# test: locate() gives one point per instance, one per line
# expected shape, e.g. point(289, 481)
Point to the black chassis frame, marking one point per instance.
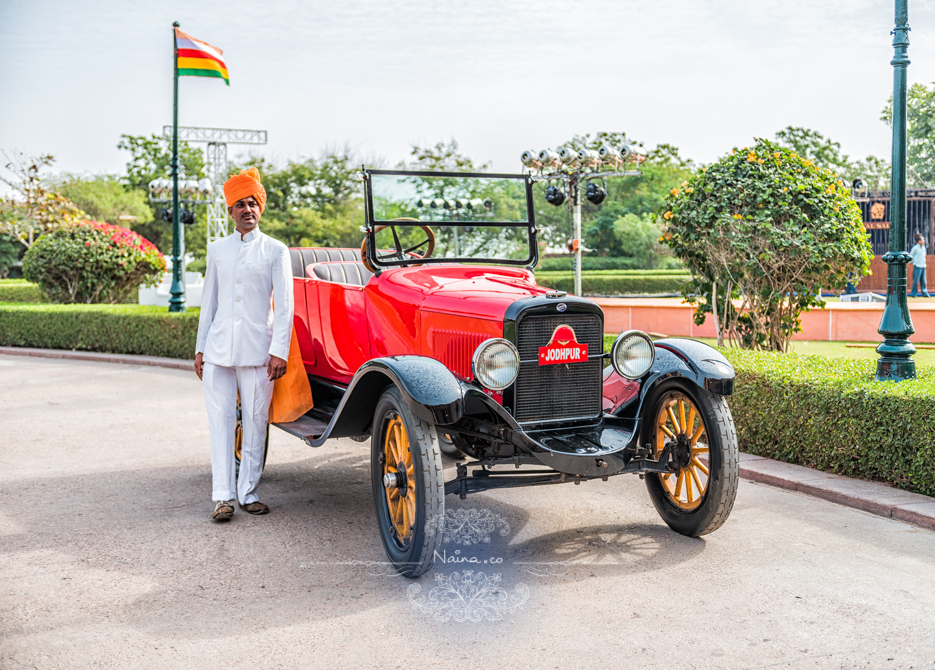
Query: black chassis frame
point(572, 450)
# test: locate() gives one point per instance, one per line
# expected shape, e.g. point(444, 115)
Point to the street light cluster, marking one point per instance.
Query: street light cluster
point(474, 204)
point(566, 157)
point(189, 189)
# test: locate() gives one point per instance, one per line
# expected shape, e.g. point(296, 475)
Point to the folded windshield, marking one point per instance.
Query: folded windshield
point(470, 217)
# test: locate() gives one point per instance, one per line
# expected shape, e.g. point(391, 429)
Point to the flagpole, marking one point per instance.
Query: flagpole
point(177, 300)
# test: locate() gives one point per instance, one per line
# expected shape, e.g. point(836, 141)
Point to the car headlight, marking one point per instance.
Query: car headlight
point(496, 364)
point(633, 354)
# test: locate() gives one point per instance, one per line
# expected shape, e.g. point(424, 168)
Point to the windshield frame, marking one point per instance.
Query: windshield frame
point(372, 223)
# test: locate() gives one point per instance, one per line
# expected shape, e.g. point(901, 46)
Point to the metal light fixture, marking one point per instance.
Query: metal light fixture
point(554, 196)
point(589, 158)
point(610, 156)
point(549, 158)
point(568, 156)
point(531, 160)
point(632, 153)
point(595, 194)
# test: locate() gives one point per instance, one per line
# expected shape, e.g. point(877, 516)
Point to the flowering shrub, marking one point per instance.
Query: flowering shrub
point(768, 229)
point(92, 262)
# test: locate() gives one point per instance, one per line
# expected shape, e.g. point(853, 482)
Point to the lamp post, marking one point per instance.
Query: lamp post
point(895, 362)
point(177, 290)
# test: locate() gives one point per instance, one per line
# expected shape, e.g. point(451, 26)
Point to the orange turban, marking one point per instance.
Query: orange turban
point(244, 185)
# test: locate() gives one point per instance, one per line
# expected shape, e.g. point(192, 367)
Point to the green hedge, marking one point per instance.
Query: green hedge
point(118, 329)
point(564, 263)
point(20, 290)
point(830, 414)
point(615, 283)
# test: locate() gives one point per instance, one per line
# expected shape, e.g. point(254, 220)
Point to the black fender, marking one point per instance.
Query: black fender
point(695, 362)
point(430, 390)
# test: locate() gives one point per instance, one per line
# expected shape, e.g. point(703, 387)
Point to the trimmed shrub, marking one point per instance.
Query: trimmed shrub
point(565, 263)
point(615, 283)
point(20, 290)
point(117, 329)
point(92, 262)
point(830, 414)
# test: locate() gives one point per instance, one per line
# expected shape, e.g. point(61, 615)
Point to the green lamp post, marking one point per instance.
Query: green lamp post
point(895, 362)
point(177, 290)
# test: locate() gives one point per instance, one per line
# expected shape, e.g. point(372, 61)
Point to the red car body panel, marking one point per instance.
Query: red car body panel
point(440, 311)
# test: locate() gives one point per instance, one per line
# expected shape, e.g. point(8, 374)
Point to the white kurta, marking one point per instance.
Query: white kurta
point(237, 332)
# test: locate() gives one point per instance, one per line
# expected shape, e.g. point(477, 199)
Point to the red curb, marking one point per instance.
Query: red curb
point(99, 357)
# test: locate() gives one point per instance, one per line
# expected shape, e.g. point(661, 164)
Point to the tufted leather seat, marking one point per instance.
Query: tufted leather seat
point(303, 257)
point(346, 272)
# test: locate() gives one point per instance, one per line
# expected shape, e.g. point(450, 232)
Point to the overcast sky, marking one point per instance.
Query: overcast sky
point(500, 77)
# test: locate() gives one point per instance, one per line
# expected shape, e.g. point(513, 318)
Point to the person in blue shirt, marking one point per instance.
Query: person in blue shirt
point(918, 267)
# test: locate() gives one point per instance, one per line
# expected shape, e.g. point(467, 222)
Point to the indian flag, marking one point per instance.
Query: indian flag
point(199, 59)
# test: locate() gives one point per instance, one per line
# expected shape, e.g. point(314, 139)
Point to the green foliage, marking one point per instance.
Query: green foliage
point(593, 263)
point(106, 198)
point(31, 208)
point(615, 282)
point(313, 202)
point(825, 153)
point(118, 329)
point(441, 158)
point(9, 254)
point(769, 228)
point(20, 290)
point(92, 262)
point(631, 236)
point(830, 414)
point(920, 154)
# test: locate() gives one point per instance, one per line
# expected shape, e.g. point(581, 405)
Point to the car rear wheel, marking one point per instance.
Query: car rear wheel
point(698, 498)
point(408, 485)
point(238, 440)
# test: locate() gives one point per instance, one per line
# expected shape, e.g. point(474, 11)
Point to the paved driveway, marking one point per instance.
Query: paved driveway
point(109, 559)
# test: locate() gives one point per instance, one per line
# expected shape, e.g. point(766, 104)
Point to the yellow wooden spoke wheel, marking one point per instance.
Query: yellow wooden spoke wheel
point(400, 472)
point(679, 424)
point(408, 484)
point(696, 427)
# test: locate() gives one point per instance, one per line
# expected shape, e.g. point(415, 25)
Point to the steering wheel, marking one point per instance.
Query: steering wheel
point(399, 253)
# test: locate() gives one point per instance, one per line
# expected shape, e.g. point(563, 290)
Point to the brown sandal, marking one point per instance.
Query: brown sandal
point(255, 508)
point(223, 511)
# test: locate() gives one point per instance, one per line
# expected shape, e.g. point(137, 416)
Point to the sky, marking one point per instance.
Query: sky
point(499, 77)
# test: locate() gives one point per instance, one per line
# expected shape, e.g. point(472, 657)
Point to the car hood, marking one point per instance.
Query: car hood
point(467, 290)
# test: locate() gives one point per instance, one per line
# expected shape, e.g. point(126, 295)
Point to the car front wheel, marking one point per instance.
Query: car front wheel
point(699, 429)
point(408, 485)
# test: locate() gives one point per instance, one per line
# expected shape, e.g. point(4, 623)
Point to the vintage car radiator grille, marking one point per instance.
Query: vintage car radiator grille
point(562, 391)
point(455, 348)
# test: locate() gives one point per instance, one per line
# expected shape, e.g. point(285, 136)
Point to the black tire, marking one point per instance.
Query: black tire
point(692, 517)
point(411, 551)
point(238, 441)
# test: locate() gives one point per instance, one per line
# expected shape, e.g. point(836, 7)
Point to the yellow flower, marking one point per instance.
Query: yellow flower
point(761, 204)
point(667, 215)
point(776, 154)
point(684, 184)
point(835, 209)
point(784, 190)
point(674, 191)
point(760, 161)
point(751, 157)
point(737, 216)
point(689, 189)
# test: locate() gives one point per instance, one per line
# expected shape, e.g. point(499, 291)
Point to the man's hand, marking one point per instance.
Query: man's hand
point(199, 364)
point(276, 368)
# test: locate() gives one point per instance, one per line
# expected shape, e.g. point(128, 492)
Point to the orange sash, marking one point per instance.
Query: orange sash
point(292, 395)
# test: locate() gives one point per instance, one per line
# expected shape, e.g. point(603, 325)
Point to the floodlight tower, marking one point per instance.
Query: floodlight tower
point(216, 162)
point(579, 169)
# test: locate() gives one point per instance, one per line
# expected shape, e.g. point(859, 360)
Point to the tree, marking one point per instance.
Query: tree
point(33, 208)
point(9, 254)
point(441, 158)
point(767, 226)
point(920, 154)
point(106, 198)
point(825, 153)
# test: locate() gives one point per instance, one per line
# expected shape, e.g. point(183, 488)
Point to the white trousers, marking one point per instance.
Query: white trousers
point(256, 390)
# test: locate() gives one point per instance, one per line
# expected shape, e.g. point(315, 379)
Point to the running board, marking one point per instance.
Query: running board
point(305, 427)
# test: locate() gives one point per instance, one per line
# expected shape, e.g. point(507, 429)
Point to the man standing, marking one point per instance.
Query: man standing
point(243, 344)
point(918, 267)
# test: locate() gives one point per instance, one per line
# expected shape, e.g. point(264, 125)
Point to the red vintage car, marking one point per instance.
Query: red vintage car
point(434, 338)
